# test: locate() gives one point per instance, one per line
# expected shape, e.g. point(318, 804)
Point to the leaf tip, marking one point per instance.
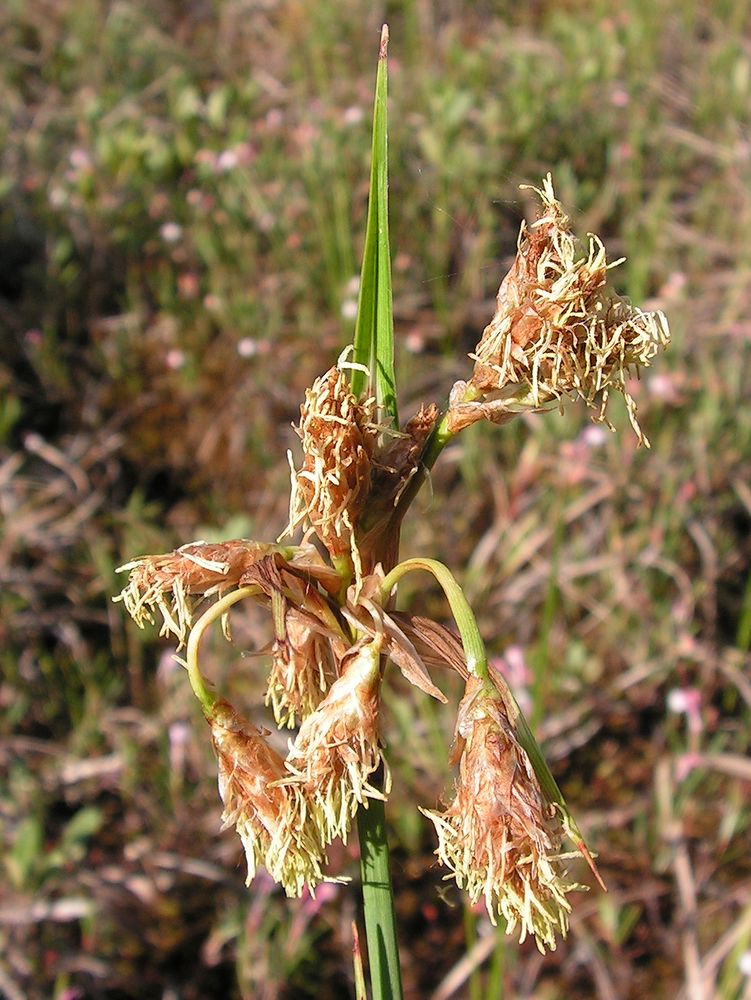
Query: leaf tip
point(384, 42)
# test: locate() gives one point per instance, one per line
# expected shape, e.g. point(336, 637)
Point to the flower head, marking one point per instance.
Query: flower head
point(303, 667)
point(266, 813)
point(330, 489)
point(337, 748)
point(499, 837)
point(175, 583)
point(559, 329)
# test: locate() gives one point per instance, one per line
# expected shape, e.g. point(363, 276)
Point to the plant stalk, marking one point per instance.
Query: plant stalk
point(378, 902)
point(207, 698)
point(474, 647)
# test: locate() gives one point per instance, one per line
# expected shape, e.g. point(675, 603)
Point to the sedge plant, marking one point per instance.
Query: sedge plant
point(559, 332)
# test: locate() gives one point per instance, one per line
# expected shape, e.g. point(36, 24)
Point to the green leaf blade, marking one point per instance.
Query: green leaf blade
point(374, 327)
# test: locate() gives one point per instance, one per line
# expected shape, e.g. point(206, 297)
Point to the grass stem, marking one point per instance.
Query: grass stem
point(474, 647)
point(208, 698)
point(378, 903)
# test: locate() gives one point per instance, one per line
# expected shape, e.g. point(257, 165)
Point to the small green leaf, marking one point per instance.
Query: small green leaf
point(84, 824)
point(374, 327)
point(23, 858)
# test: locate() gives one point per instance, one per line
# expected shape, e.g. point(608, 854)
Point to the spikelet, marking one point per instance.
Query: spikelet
point(331, 487)
point(559, 330)
point(268, 816)
point(499, 837)
point(302, 669)
point(338, 749)
point(175, 583)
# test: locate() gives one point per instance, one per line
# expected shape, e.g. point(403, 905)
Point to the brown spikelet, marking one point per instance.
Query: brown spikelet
point(331, 487)
point(499, 837)
point(338, 746)
point(559, 329)
point(397, 462)
point(267, 815)
point(303, 668)
point(174, 583)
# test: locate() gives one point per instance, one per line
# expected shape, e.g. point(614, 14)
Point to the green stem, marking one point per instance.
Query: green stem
point(435, 444)
point(474, 647)
point(439, 438)
point(378, 903)
point(207, 698)
point(346, 571)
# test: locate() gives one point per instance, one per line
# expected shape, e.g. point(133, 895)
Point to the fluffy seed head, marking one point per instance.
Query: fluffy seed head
point(559, 329)
point(175, 583)
point(330, 489)
point(303, 667)
point(268, 816)
point(499, 837)
point(337, 748)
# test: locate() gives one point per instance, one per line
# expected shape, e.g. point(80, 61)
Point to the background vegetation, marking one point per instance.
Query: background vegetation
point(183, 200)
